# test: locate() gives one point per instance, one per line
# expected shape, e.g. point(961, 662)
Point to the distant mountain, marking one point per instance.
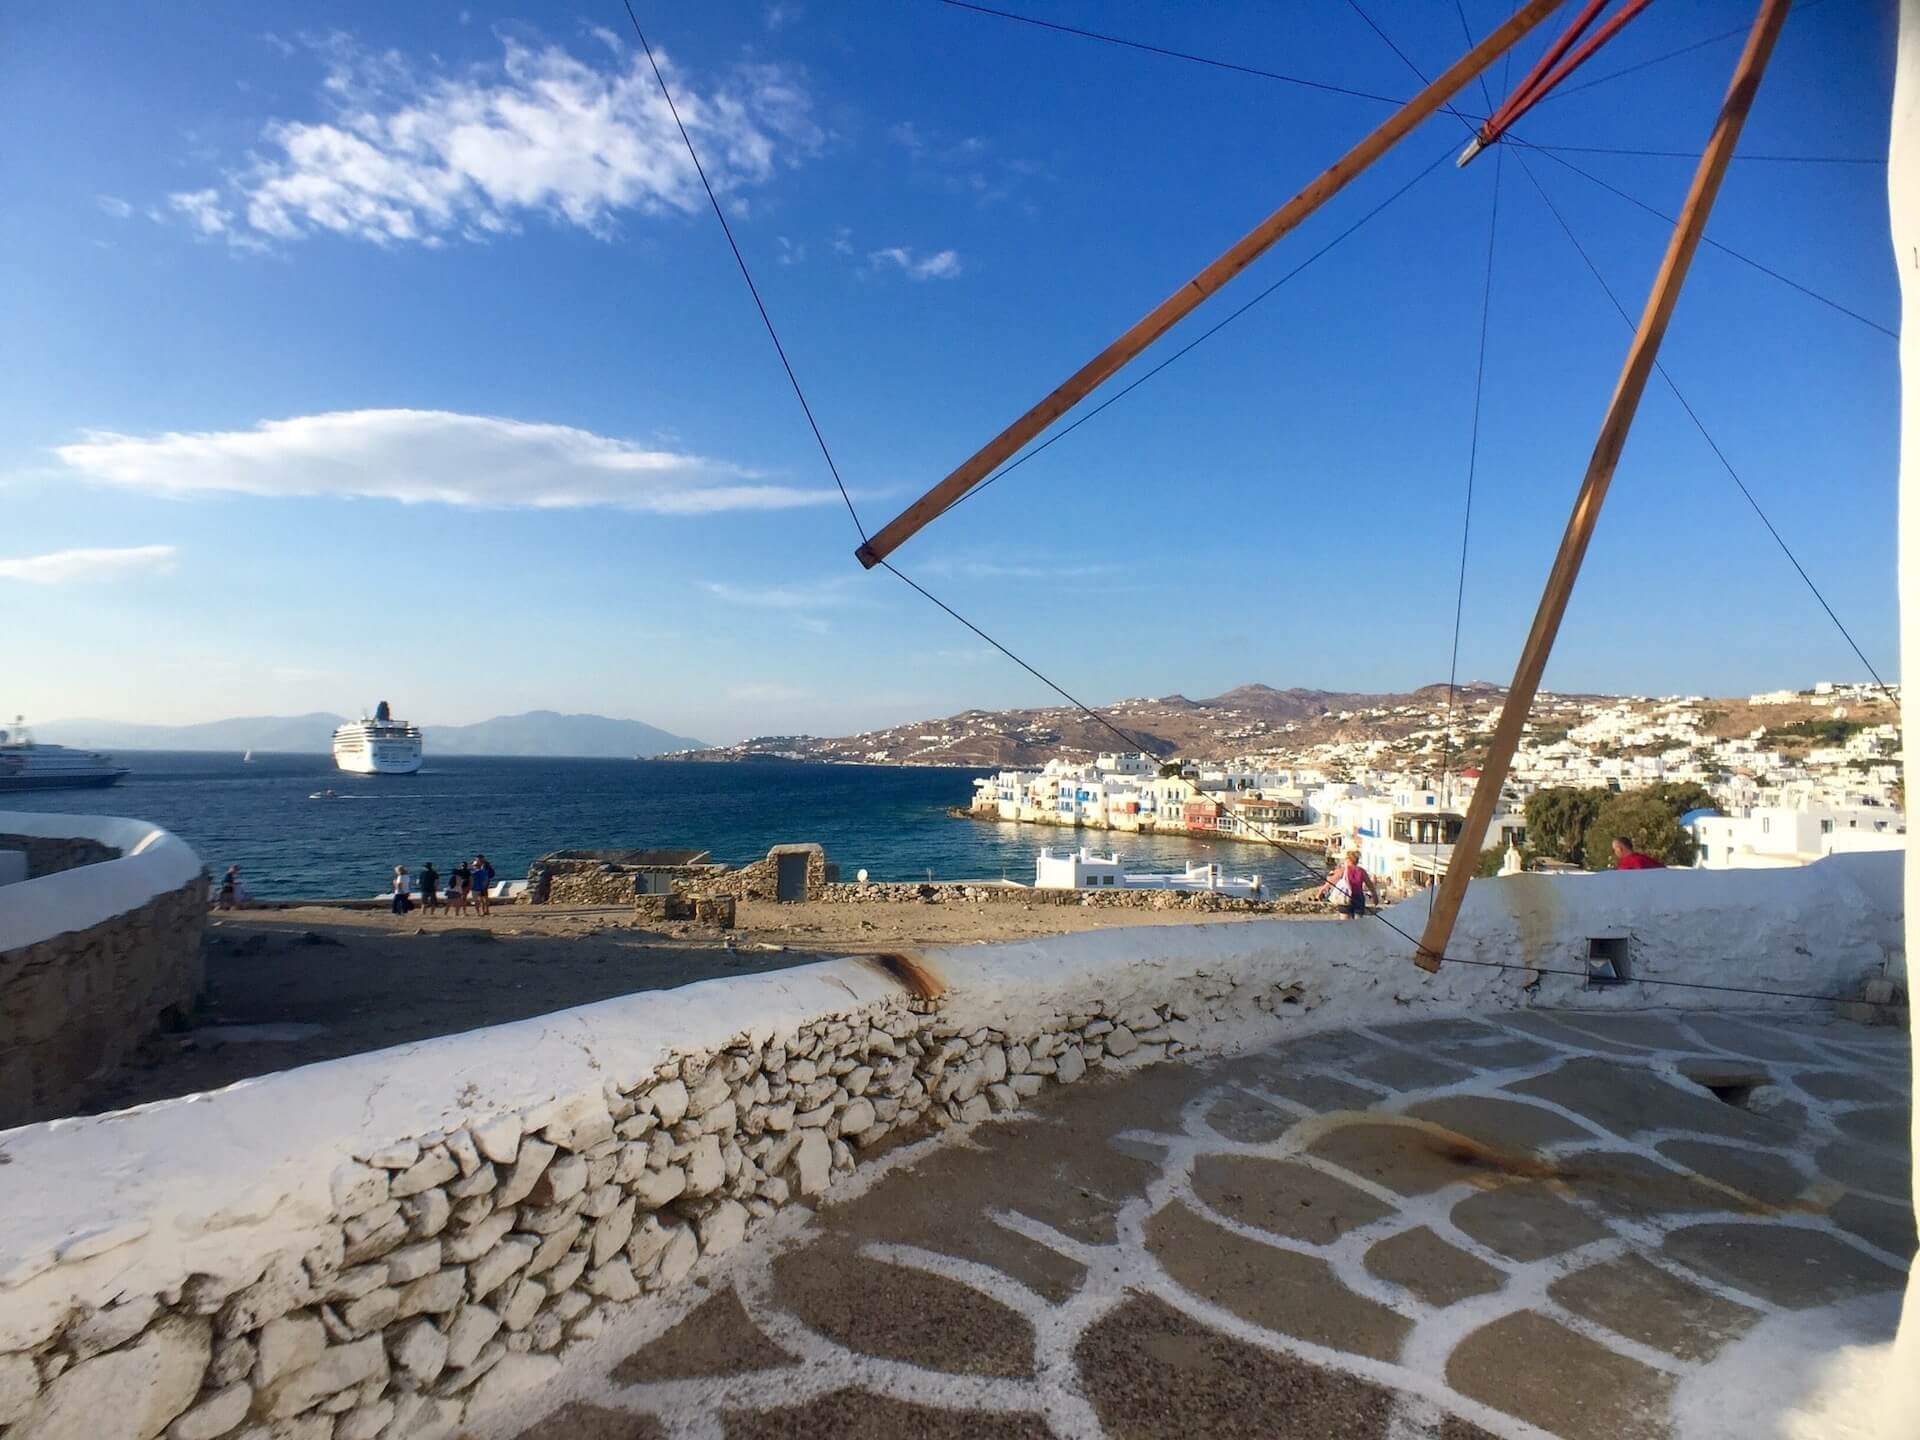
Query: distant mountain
point(1246, 720)
point(538, 733)
point(546, 732)
point(289, 734)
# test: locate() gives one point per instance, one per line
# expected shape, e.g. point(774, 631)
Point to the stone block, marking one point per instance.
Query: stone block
point(722, 1228)
point(110, 1328)
point(410, 1262)
point(219, 1413)
point(340, 1368)
point(435, 1168)
point(290, 1343)
point(535, 1155)
point(498, 1139)
point(563, 1178)
point(507, 1258)
point(472, 1328)
point(433, 1294)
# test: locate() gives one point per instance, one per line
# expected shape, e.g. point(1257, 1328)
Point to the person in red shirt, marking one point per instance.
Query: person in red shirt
point(1625, 857)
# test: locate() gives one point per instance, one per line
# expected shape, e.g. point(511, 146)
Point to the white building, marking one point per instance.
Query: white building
point(1772, 836)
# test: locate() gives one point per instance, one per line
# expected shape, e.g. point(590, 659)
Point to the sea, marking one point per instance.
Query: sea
point(263, 815)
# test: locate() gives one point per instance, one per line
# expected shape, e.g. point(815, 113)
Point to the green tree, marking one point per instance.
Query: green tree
point(1489, 863)
point(1558, 818)
point(1680, 796)
point(1644, 818)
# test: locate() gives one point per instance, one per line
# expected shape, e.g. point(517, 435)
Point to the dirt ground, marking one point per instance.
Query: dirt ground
point(290, 987)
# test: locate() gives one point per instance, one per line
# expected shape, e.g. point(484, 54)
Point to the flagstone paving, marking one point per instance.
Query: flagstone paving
point(1531, 1226)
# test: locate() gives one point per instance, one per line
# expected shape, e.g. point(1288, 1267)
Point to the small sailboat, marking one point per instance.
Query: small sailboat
point(247, 759)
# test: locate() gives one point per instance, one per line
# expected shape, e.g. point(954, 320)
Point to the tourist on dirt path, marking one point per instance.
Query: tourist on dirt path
point(482, 885)
point(229, 888)
point(459, 882)
point(1350, 885)
point(402, 885)
point(1625, 857)
point(429, 888)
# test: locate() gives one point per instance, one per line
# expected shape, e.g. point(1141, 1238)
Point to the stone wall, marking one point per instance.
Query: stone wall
point(50, 854)
point(72, 1006)
point(760, 880)
point(894, 892)
point(608, 877)
point(100, 944)
point(394, 1245)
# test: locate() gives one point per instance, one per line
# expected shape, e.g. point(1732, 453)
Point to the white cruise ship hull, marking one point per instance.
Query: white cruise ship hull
point(380, 757)
point(380, 746)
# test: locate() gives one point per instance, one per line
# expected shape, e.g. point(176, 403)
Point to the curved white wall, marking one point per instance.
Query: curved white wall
point(152, 862)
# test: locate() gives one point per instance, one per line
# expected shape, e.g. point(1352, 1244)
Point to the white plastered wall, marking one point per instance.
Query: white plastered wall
point(1902, 1393)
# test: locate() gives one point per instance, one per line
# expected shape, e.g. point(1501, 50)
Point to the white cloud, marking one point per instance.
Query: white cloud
point(59, 567)
point(113, 205)
point(429, 456)
point(801, 602)
point(780, 14)
point(942, 265)
point(807, 595)
point(842, 240)
point(203, 210)
point(404, 158)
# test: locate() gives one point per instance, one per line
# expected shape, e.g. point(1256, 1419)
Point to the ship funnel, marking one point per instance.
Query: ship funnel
point(381, 712)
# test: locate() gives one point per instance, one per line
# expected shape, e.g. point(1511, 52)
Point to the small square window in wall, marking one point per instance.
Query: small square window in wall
point(1607, 960)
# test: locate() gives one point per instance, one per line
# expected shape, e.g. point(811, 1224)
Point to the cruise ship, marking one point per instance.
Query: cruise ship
point(26, 764)
point(380, 746)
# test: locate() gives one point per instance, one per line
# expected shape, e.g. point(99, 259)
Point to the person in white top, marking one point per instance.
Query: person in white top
point(402, 885)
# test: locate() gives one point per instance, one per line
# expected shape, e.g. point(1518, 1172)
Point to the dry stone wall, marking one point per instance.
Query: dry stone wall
point(454, 1257)
point(893, 892)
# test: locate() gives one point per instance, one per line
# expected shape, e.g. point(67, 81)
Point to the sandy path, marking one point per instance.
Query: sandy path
point(291, 987)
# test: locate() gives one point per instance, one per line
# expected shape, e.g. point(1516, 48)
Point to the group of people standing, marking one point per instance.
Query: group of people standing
point(469, 882)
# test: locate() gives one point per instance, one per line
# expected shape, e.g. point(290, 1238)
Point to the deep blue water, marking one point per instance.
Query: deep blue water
point(890, 820)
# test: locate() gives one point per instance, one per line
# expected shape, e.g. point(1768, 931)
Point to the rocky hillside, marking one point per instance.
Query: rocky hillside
point(1242, 721)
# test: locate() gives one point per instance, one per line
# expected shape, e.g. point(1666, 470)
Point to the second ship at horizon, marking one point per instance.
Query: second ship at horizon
point(380, 746)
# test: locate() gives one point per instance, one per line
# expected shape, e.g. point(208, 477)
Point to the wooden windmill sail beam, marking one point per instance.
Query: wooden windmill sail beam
point(1189, 296)
point(1593, 488)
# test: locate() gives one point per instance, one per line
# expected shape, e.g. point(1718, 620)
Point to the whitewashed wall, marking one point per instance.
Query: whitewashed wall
point(95, 1206)
point(152, 862)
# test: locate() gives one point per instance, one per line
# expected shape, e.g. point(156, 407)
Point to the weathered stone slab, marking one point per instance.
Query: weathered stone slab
point(1645, 1303)
point(1525, 1221)
point(1439, 1273)
point(1630, 1099)
point(1283, 1196)
point(858, 1415)
point(1153, 1372)
point(900, 1314)
point(1787, 1264)
point(1769, 1179)
point(1280, 1289)
point(1504, 1124)
point(718, 1338)
point(1570, 1386)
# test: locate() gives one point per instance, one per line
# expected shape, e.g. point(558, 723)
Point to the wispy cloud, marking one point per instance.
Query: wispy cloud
point(941, 265)
point(963, 164)
point(781, 14)
point(203, 210)
point(805, 595)
point(62, 567)
point(801, 602)
point(429, 456)
point(113, 205)
point(405, 158)
point(1015, 569)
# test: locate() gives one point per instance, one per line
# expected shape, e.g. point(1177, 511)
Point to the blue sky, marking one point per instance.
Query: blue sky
point(403, 358)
